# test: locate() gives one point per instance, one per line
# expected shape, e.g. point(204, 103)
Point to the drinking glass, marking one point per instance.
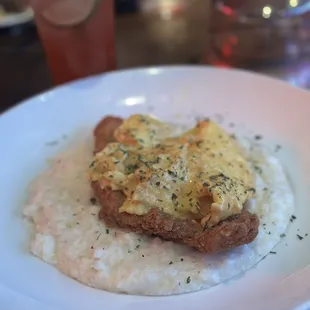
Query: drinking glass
point(246, 33)
point(77, 36)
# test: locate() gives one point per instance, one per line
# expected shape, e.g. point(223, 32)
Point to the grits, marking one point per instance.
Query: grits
point(68, 234)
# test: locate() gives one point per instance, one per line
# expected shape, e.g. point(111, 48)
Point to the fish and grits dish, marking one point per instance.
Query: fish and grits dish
point(142, 208)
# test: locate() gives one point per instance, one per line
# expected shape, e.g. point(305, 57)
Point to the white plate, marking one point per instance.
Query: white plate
point(269, 107)
point(13, 19)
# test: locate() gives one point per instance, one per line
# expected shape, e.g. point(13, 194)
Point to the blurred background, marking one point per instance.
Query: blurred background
point(271, 37)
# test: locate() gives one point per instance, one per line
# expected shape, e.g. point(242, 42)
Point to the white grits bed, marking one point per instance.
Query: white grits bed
point(68, 234)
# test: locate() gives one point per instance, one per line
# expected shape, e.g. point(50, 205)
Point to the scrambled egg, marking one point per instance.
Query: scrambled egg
point(201, 174)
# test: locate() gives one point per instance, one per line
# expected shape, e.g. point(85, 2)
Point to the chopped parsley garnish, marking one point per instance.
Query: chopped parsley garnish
point(258, 137)
point(278, 148)
point(107, 231)
point(137, 246)
point(93, 200)
point(173, 196)
point(258, 169)
point(272, 252)
point(123, 151)
point(157, 183)
point(92, 164)
point(300, 237)
point(282, 235)
point(131, 168)
point(172, 173)
point(198, 143)
point(182, 259)
point(188, 280)
point(140, 158)
point(171, 262)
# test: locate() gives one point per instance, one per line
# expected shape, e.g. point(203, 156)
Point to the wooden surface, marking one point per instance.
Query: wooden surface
point(145, 37)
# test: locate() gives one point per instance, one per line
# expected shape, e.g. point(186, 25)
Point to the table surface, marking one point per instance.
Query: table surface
point(145, 36)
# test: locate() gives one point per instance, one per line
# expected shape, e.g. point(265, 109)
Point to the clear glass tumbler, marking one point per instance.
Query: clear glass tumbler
point(245, 33)
point(77, 35)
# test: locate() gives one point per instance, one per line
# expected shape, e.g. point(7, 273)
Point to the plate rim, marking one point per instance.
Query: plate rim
point(162, 70)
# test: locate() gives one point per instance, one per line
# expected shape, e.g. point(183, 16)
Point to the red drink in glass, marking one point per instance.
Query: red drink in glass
point(77, 35)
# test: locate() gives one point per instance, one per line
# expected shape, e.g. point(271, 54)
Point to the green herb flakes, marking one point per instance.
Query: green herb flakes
point(93, 200)
point(299, 237)
point(131, 168)
point(172, 173)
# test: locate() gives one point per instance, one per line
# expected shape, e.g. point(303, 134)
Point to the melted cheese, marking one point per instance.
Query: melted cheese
point(201, 174)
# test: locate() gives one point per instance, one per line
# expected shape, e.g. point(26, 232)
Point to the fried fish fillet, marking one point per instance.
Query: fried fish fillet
point(234, 231)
